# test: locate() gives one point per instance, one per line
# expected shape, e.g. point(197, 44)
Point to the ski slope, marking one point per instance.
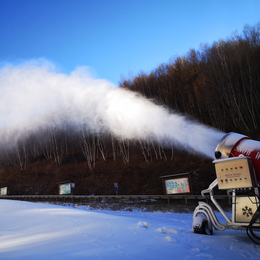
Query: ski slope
point(43, 231)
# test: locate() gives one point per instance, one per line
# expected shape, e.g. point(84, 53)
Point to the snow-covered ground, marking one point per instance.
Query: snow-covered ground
point(43, 231)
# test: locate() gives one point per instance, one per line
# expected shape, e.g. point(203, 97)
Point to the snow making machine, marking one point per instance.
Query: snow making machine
point(237, 166)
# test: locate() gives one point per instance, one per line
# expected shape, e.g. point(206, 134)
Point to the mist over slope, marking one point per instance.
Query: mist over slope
point(35, 97)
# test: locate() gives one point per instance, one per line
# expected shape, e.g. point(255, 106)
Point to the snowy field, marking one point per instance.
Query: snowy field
point(43, 231)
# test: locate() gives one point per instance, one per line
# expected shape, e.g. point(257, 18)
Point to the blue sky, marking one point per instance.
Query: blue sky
point(114, 37)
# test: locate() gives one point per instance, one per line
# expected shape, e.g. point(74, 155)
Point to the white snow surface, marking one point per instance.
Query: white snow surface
point(43, 231)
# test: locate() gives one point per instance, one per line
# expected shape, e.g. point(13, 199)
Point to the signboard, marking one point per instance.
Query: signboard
point(64, 189)
point(177, 186)
point(116, 186)
point(4, 191)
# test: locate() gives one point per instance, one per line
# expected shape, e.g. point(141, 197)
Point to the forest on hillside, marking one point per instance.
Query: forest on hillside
point(218, 85)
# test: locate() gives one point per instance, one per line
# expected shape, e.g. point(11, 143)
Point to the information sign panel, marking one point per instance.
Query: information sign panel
point(64, 189)
point(177, 186)
point(4, 191)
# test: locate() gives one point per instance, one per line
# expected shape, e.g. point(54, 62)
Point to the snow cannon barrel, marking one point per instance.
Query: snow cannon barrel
point(235, 145)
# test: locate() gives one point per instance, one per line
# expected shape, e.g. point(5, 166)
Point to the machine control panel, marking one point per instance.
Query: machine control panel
point(235, 172)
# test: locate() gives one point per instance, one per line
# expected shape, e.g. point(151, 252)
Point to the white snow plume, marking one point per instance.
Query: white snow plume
point(35, 96)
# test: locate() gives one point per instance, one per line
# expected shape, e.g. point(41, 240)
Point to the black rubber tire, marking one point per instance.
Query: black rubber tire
point(203, 228)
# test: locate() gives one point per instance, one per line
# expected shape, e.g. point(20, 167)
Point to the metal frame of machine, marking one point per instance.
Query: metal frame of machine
point(236, 175)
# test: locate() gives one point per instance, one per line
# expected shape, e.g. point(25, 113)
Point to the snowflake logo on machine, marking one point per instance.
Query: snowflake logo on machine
point(247, 211)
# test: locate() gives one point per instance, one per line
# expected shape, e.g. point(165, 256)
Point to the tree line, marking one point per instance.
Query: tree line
point(55, 143)
point(219, 84)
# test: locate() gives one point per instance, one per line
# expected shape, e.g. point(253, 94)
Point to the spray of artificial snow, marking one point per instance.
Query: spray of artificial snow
point(35, 96)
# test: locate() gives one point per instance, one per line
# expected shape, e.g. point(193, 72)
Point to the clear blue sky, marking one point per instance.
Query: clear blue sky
point(113, 37)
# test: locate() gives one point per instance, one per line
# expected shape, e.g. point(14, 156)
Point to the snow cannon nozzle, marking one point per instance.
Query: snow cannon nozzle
point(218, 154)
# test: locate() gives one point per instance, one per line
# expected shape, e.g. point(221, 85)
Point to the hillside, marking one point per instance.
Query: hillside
point(95, 135)
point(137, 177)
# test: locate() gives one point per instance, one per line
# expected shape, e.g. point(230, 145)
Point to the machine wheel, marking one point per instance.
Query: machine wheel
point(200, 225)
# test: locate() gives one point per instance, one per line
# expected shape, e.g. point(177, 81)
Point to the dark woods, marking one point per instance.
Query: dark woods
point(66, 144)
point(219, 85)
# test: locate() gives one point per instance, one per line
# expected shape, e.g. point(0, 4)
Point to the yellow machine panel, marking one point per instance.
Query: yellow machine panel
point(245, 209)
point(235, 172)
